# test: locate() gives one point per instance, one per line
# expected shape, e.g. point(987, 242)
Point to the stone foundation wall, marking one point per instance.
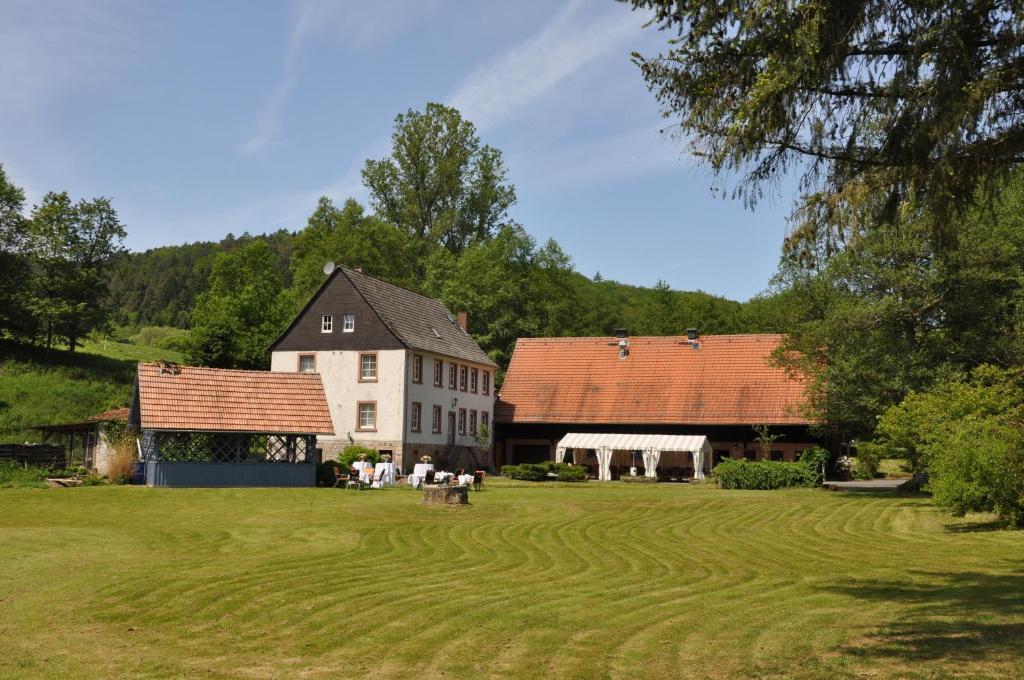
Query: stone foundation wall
point(333, 446)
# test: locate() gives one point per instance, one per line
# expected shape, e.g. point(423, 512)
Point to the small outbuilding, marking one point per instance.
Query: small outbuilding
point(218, 427)
point(85, 443)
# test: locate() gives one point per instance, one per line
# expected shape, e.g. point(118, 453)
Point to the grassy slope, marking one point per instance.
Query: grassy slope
point(54, 386)
point(596, 580)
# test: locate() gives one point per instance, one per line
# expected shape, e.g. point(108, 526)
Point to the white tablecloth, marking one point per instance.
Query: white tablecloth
point(466, 479)
point(441, 475)
point(419, 473)
point(365, 472)
point(385, 473)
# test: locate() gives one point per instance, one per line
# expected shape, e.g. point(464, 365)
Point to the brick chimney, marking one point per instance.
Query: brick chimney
point(464, 320)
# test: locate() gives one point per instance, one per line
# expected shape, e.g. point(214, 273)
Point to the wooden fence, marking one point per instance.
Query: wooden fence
point(43, 455)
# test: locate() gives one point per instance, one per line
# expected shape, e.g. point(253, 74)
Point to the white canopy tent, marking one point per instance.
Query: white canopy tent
point(650, 445)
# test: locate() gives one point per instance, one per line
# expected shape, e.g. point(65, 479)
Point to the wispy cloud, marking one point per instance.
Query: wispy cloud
point(631, 152)
point(500, 89)
point(353, 23)
point(46, 45)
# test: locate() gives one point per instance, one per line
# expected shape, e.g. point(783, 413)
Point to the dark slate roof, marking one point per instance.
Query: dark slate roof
point(414, 318)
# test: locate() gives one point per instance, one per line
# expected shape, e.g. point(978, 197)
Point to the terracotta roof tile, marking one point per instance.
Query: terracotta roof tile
point(221, 400)
point(112, 414)
point(730, 380)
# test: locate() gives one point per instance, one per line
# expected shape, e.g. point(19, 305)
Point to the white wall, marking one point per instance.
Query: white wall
point(339, 372)
point(429, 395)
point(394, 393)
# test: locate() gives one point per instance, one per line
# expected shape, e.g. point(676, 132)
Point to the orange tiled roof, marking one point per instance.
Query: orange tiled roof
point(112, 414)
point(728, 381)
point(219, 400)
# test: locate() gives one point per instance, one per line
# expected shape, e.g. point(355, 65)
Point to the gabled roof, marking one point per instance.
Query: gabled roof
point(191, 398)
point(730, 380)
point(417, 321)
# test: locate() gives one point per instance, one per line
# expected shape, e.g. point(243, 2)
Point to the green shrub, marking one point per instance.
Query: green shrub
point(865, 465)
point(740, 473)
point(15, 475)
point(570, 473)
point(967, 435)
point(639, 479)
point(352, 452)
point(162, 337)
point(814, 461)
point(325, 472)
point(539, 472)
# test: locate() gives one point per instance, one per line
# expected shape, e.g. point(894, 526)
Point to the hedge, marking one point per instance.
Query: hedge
point(765, 474)
point(541, 472)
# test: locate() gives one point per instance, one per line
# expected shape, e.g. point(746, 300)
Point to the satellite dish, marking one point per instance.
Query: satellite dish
point(329, 268)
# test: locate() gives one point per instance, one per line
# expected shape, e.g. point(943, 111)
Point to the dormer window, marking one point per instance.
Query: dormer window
point(327, 323)
point(348, 323)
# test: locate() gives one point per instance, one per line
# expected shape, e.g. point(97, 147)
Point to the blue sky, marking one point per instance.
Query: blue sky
point(200, 119)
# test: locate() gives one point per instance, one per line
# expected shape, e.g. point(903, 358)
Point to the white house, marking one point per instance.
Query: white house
point(400, 372)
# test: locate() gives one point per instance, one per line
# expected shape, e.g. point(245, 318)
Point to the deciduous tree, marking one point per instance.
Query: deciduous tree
point(439, 184)
point(241, 313)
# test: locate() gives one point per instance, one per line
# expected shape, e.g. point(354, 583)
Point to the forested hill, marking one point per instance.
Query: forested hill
point(159, 287)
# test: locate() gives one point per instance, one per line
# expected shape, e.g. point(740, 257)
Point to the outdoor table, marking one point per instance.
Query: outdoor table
point(440, 476)
point(466, 479)
point(365, 472)
point(419, 473)
point(385, 472)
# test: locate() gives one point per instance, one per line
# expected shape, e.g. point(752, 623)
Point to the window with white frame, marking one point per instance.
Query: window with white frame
point(438, 373)
point(367, 368)
point(485, 420)
point(367, 415)
point(435, 424)
point(417, 368)
point(307, 363)
point(485, 387)
point(452, 373)
point(472, 422)
point(462, 378)
point(462, 421)
point(417, 409)
point(473, 379)
point(327, 323)
point(348, 323)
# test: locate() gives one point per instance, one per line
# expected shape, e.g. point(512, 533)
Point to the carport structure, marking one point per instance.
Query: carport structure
point(653, 447)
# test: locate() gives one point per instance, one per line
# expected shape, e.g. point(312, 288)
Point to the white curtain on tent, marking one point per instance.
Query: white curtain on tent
point(698, 464)
point(651, 458)
point(560, 454)
point(604, 460)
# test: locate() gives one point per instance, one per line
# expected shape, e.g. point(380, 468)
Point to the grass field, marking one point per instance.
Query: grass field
point(594, 580)
point(40, 386)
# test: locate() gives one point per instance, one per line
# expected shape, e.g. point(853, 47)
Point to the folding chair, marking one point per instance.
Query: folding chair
point(340, 480)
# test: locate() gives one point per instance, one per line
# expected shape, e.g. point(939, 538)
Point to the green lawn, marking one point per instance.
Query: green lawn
point(40, 386)
point(594, 580)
